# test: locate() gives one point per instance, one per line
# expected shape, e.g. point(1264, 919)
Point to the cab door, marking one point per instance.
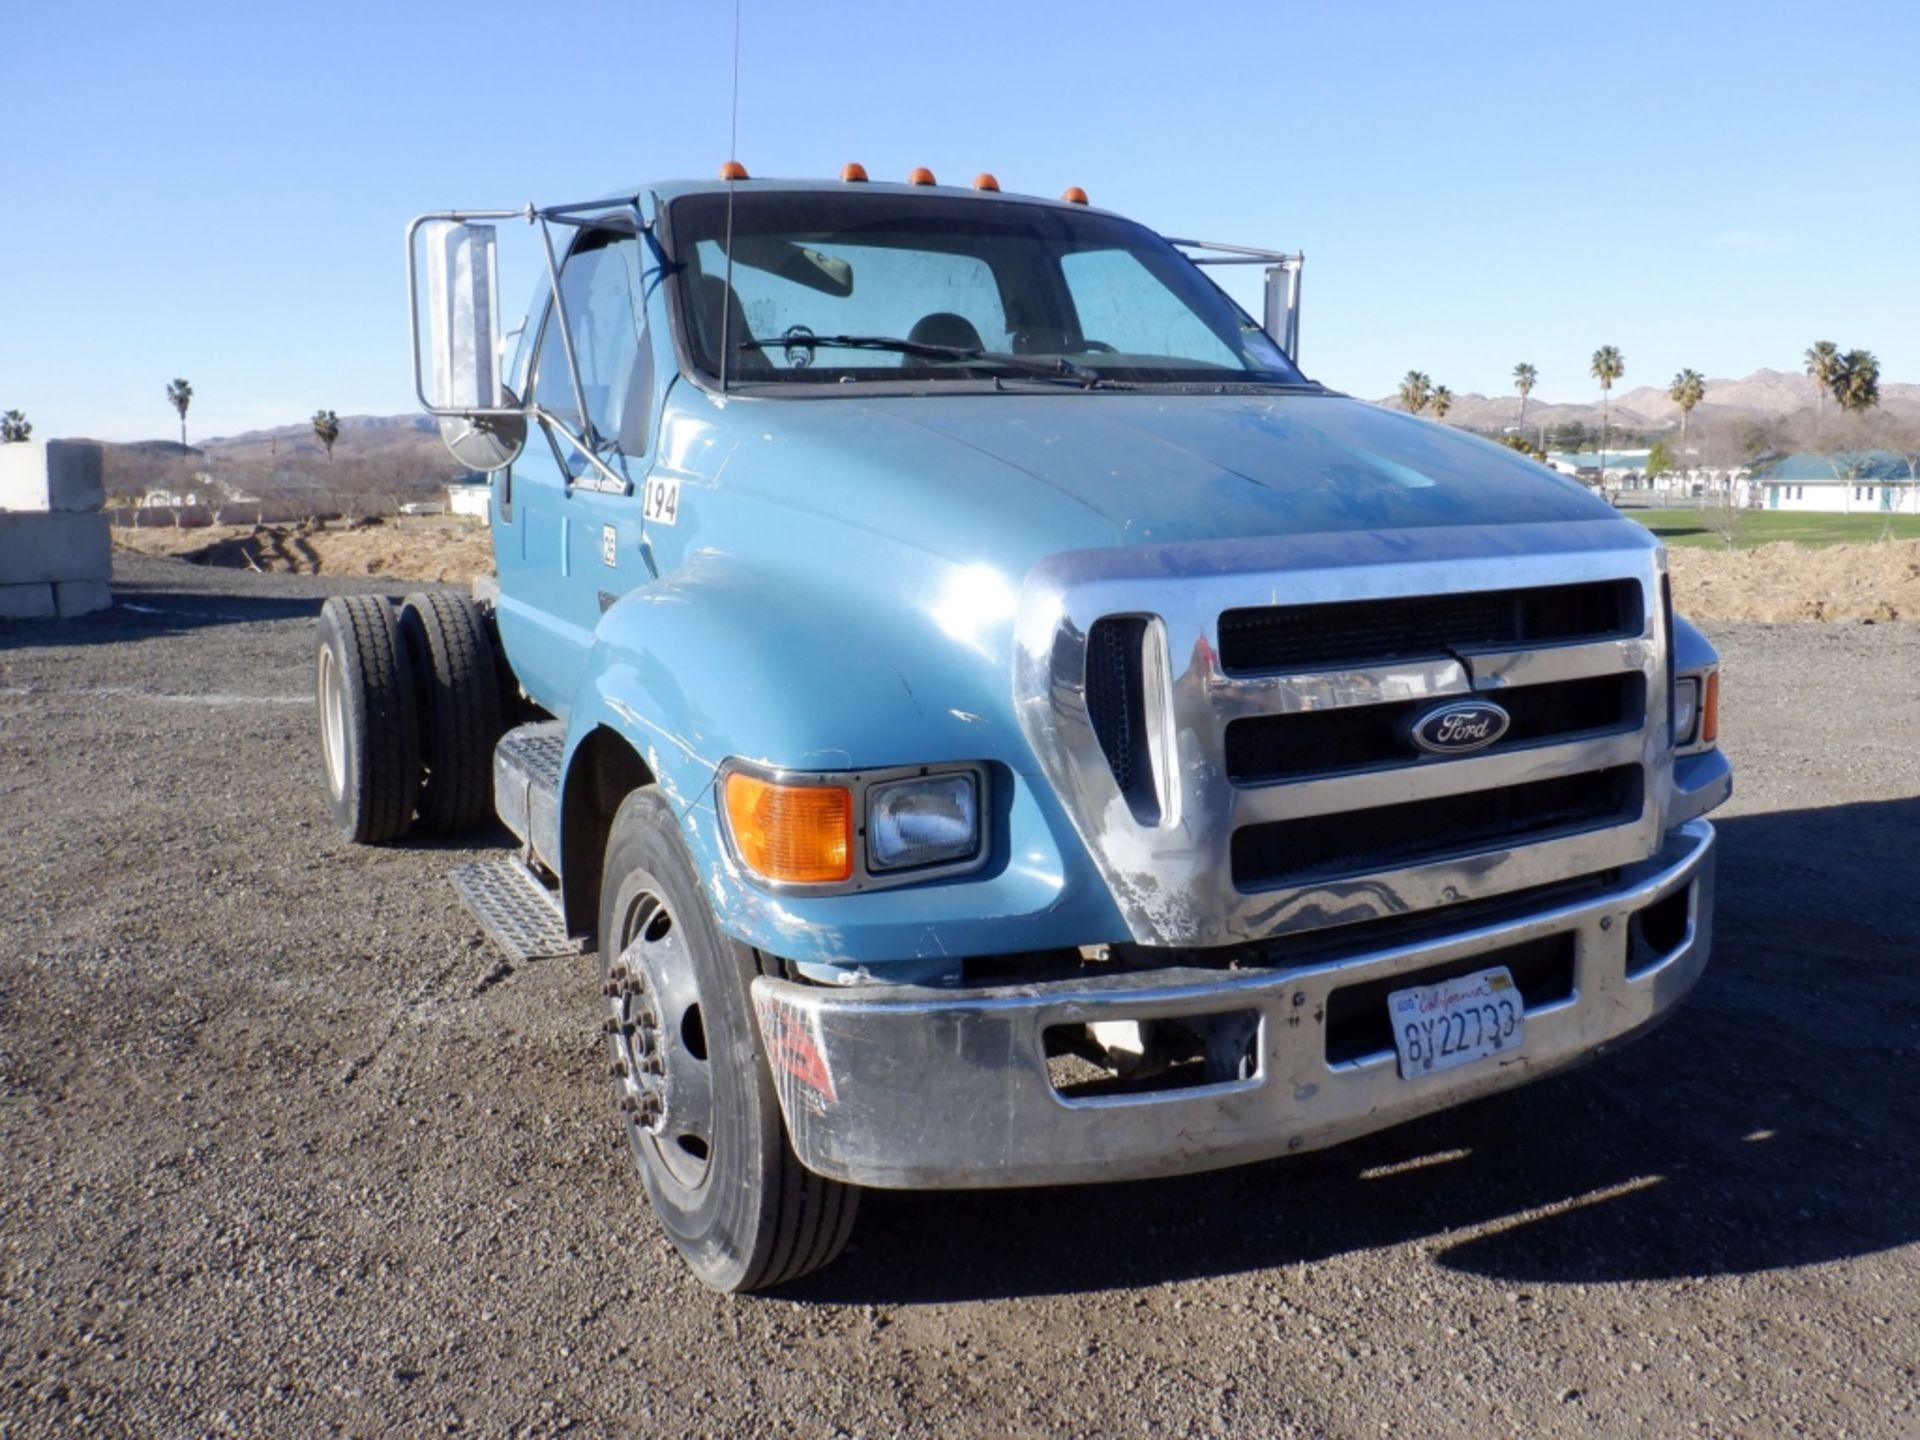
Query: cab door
point(575, 545)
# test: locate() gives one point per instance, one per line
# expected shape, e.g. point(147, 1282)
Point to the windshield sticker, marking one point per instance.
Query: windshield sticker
point(1260, 348)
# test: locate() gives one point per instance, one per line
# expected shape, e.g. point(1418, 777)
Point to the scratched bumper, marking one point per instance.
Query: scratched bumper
point(909, 1088)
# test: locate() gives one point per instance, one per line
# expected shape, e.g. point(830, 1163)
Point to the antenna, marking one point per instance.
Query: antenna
point(733, 154)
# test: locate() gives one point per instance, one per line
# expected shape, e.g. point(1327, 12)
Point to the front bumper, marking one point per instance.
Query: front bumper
point(911, 1088)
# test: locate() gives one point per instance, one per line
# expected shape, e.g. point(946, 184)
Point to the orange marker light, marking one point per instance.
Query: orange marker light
point(921, 176)
point(1074, 195)
point(984, 181)
point(1710, 708)
point(795, 834)
point(854, 173)
point(733, 170)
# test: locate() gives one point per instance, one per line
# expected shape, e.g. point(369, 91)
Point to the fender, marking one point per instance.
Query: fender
point(709, 665)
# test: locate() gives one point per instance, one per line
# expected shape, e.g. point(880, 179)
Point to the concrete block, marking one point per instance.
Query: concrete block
point(81, 597)
point(26, 602)
point(39, 548)
point(51, 475)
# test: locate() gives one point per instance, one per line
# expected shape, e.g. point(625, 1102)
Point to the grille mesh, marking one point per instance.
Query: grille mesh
point(1116, 706)
point(1298, 638)
point(1392, 837)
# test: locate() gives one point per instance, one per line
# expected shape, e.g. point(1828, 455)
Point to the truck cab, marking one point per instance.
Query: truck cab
point(997, 722)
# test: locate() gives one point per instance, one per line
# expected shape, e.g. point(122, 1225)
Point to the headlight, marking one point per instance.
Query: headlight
point(1686, 709)
point(922, 821)
point(1696, 710)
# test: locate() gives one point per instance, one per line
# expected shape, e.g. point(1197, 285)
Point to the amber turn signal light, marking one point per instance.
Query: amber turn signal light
point(1074, 195)
point(920, 176)
point(791, 834)
point(1710, 709)
point(984, 181)
point(853, 172)
point(733, 170)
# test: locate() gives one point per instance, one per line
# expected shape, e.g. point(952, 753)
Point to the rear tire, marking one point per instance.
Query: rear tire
point(697, 1099)
point(459, 709)
point(369, 724)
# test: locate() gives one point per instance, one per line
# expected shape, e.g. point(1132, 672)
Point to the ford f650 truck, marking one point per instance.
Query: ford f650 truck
point(997, 721)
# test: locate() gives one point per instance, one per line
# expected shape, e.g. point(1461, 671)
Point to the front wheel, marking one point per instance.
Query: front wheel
point(696, 1097)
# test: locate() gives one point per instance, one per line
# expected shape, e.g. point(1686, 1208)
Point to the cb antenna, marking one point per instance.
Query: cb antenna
point(732, 172)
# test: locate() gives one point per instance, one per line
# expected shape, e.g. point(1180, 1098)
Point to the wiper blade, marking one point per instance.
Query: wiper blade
point(1059, 369)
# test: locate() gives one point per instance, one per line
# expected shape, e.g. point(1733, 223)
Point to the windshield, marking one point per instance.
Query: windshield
point(832, 287)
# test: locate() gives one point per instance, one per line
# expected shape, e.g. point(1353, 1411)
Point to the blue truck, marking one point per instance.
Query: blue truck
point(995, 720)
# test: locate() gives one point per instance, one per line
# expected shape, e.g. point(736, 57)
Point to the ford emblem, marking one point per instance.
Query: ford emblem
point(1459, 728)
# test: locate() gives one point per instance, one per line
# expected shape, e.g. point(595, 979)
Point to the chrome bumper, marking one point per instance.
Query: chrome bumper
point(909, 1088)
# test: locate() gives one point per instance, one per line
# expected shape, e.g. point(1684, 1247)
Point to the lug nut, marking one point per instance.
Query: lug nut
point(618, 1069)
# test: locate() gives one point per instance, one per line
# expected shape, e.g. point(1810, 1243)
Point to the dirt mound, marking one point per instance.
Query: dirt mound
point(1799, 582)
point(448, 553)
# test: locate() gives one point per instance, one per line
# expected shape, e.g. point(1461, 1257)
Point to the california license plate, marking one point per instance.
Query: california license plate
point(1459, 1021)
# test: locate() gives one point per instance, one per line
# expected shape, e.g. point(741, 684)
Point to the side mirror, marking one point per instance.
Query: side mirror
point(481, 421)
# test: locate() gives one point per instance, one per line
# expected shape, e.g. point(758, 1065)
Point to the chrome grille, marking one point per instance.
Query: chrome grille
point(1292, 798)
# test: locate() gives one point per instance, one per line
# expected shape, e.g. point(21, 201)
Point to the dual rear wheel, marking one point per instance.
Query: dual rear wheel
point(410, 709)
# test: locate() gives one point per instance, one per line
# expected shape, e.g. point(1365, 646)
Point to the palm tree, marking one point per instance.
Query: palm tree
point(326, 426)
point(1689, 388)
point(1524, 376)
point(1822, 357)
point(180, 395)
point(1415, 391)
point(1607, 368)
point(1442, 402)
point(14, 428)
point(1855, 381)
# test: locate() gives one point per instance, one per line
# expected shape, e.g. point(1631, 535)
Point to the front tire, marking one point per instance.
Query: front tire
point(697, 1099)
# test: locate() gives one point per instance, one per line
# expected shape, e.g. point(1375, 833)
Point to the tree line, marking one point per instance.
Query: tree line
point(1850, 378)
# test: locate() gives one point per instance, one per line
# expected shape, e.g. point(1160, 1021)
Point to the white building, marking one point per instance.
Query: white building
point(1869, 482)
point(466, 498)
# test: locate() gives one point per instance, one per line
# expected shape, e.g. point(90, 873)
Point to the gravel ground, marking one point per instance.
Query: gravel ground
point(287, 1149)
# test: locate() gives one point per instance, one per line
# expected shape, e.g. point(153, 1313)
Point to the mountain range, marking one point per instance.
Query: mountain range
point(1763, 395)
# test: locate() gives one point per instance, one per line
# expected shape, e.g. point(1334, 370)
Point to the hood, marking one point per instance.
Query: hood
point(1014, 476)
point(1166, 468)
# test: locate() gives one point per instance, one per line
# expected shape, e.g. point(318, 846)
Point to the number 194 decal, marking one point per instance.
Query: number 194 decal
point(661, 505)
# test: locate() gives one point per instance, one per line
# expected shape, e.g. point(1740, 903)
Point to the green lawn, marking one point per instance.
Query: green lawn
point(1761, 527)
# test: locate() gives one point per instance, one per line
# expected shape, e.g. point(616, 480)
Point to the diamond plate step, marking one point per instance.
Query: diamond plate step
point(515, 909)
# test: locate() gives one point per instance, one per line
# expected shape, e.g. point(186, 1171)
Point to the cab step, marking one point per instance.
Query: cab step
point(519, 914)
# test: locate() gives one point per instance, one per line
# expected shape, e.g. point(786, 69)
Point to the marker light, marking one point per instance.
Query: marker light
point(921, 176)
point(733, 170)
point(1074, 195)
point(854, 173)
point(1710, 712)
point(984, 181)
point(791, 834)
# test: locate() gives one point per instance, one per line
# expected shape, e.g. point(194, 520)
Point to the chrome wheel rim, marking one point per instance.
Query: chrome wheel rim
point(333, 723)
point(657, 1032)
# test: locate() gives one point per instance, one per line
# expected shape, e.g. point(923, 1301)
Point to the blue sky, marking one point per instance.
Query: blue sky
point(217, 190)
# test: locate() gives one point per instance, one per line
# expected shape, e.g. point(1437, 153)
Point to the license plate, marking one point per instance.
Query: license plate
point(1436, 1027)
